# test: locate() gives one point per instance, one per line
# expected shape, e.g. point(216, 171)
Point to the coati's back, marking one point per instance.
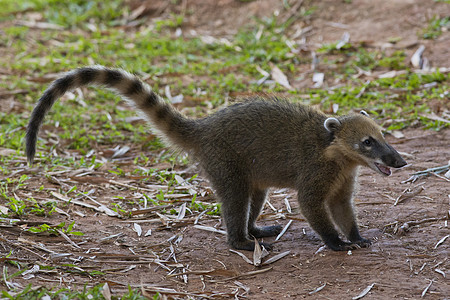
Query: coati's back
point(269, 141)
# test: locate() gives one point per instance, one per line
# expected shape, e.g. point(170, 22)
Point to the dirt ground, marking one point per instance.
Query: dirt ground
point(375, 23)
point(407, 259)
point(400, 263)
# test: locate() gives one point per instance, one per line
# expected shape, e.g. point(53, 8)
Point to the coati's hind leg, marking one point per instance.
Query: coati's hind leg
point(257, 200)
point(235, 197)
point(341, 209)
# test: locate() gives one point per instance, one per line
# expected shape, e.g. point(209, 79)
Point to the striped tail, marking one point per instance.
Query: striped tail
point(166, 120)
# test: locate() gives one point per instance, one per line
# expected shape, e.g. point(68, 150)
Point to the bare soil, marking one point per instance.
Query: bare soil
point(385, 24)
point(401, 263)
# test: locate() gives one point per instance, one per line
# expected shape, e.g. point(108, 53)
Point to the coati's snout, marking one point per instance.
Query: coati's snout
point(392, 158)
point(385, 156)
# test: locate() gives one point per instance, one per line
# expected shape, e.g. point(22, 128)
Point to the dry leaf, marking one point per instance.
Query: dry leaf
point(440, 272)
point(209, 228)
point(426, 289)
point(106, 292)
point(120, 151)
point(138, 229)
point(364, 292)
point(335, 108)
point(318, 79)
point(257, 254)
point(288, 205)
point(408, 193)
point(284, 230)
point(3, 209)
point(276, 257)
point(397, 134)
point(343, 41)
point(441, 241)
point(279, 77)
point(318, 289)
point(28, 274)
point(243, 256)
point(182, 212)
point(39, 25)
point(416, 59)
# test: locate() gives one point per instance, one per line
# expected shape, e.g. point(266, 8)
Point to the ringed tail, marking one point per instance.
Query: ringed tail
point(165, 119)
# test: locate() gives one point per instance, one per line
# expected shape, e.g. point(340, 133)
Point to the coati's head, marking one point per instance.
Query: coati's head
point(359, 139)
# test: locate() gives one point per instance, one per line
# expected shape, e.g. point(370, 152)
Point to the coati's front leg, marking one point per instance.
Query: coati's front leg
point(257, 200)
point(341, 208)
point(313, 207)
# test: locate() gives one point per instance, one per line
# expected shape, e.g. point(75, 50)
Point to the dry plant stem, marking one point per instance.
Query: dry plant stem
point(427, 172)
point(24, 248)
point(66, 237)
point(405, 227)
point(426, 289)
point(251, 273)
point(408, 193)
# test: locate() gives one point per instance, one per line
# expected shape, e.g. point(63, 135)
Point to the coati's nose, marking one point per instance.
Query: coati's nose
point(392, 158)
point(400, 162)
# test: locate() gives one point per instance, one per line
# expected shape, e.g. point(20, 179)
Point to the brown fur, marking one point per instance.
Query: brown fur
point(249, 147)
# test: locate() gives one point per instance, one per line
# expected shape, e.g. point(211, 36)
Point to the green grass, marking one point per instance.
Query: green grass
point(30, 293)
point(436, 27)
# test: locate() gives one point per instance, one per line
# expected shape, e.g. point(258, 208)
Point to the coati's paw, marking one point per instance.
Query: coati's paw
point(363, 243)
point(249, 245)
point(343, 246)
point(265, 231)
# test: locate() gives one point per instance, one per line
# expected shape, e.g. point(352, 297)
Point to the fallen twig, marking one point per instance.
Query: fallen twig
point(251, 273)
point(245, 258)
point(214, 272)
point(318, 289)
point(364, 292)
point(209, 228)
point(426, 289)
point(67, 238)
point(427, 172)
point(284, 230)
point(441, 241)
point(102, 208)
point(276, 257)
point(408, 193)
point(405, 227)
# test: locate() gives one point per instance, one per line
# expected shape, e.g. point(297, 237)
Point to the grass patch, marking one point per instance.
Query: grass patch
point(436, 27)
point(87, 293)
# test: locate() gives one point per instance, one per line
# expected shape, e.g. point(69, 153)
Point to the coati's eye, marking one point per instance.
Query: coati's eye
point(367, 142)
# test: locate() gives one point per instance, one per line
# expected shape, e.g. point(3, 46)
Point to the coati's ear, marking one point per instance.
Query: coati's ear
point(331, 124)
point(364, 113)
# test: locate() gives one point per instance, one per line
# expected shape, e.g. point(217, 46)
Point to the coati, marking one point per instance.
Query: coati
point(250, 146)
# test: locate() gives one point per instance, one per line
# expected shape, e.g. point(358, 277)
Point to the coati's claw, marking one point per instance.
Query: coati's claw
point(265, 231)
point(364, 243)
point(343, 246)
